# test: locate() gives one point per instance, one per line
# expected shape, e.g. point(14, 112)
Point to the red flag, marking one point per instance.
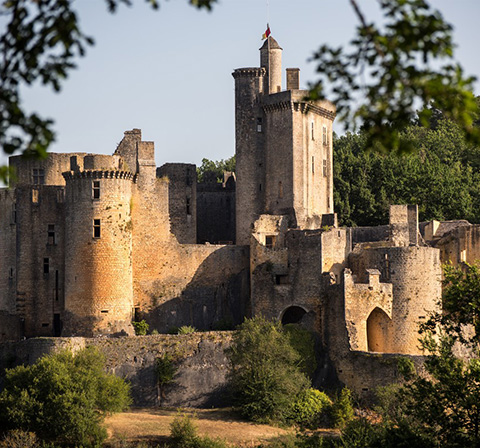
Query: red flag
point(266, 33)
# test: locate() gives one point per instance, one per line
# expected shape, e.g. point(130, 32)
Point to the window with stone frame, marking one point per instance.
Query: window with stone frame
point(96, 228)
point(96, 189)
point(38, 175)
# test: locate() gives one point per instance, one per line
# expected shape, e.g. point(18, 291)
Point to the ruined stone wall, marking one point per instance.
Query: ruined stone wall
point(8, 264)
point(200, 359)
point(368, 234)
point(98, 251)
point(361, 299)
point(39, 251)
point(216, 212)
point(53, 167)
point(415, 273)
point(198, 285)
point(335, 249)
point(182, 200)
point(249, 150)
point(461, 245)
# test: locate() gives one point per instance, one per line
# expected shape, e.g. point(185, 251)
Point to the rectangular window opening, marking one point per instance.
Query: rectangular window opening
point(313, 164)
point(35, 195)
point(96, 229)
point(189, 212)
point(96, 189)
point(325, 136)
point(270, 241)
point(51, 234)
point(10, 273)
point(324, 167)
point(281, 279)
point(104, 311)
point(259, 124)
point(46, 265)
point(313, 130)
point(56, 286)
point(38, 176)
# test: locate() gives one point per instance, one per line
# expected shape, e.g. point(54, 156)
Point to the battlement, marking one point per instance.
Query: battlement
point(100, 174)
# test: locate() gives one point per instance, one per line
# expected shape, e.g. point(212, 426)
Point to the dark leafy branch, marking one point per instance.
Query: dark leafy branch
point(393, 73)
point(40, 43)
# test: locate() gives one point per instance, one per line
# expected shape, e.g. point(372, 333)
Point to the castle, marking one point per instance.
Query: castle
point(91, 242)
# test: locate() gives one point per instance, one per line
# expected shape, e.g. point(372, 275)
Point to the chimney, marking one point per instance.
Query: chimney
point(293, 78)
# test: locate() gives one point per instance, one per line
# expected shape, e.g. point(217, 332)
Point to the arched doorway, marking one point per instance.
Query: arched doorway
point(293, 315)
point(378, 331)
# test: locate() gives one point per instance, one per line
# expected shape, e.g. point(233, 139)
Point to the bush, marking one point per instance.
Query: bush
point(63, 398)
point(186, 329)
point(19, 439)
point(342, 409)
point(141, 328)
point(309, 408)
point(183, 434)
point(303, 342)
point(264, 374)
point(165, 371)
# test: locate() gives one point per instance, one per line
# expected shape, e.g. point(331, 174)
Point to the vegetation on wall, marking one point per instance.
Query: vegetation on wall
point(63, 398)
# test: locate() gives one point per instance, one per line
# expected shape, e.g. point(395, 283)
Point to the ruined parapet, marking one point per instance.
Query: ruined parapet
point(460, 245)
point(404, 225)
point(98, 250)
point(48, 171)
point(368, 312)
point(182, 199)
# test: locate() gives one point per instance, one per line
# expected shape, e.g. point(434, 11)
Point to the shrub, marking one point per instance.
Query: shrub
point(165, 371)
point(342, 409)
point(186, 329)
point(183, 434)
point(141, 328)
point(19, 439)
point(63, 398)
point(303, 342)
point(309, 408)
point(264, 374)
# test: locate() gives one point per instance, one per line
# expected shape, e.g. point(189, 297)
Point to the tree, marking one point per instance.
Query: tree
point(441, 408)
point(442, 176)
point(63, 398)
point(264, 375)
point(215, 169)
point(388, 76)
point(43, 39)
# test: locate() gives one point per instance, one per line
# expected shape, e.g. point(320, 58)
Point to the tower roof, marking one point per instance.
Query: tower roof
point(273, 44)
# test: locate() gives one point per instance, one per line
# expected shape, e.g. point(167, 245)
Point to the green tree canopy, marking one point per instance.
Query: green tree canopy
point(63, 398)
point(211, 168)
point(442, 176)
point(265, 376)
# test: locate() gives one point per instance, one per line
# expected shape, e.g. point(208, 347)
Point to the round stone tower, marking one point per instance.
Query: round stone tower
point(98, 248)
point(415, 274)
point(271, 61)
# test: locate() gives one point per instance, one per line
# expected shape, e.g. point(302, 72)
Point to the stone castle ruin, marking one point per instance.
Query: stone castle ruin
point(91, 242)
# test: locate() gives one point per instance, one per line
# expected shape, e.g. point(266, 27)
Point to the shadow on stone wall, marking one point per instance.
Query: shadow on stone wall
point(210, 301)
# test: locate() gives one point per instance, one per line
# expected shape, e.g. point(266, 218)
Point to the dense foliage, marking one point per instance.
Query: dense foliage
point(392, 70)
point(210, 169)
point(264, 374)
point(63, 398)
point(442, 176)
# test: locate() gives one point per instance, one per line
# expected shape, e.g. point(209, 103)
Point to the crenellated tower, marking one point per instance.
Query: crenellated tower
point(98, 249)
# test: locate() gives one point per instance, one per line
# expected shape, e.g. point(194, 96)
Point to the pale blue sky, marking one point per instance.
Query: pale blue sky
point(168, 72)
